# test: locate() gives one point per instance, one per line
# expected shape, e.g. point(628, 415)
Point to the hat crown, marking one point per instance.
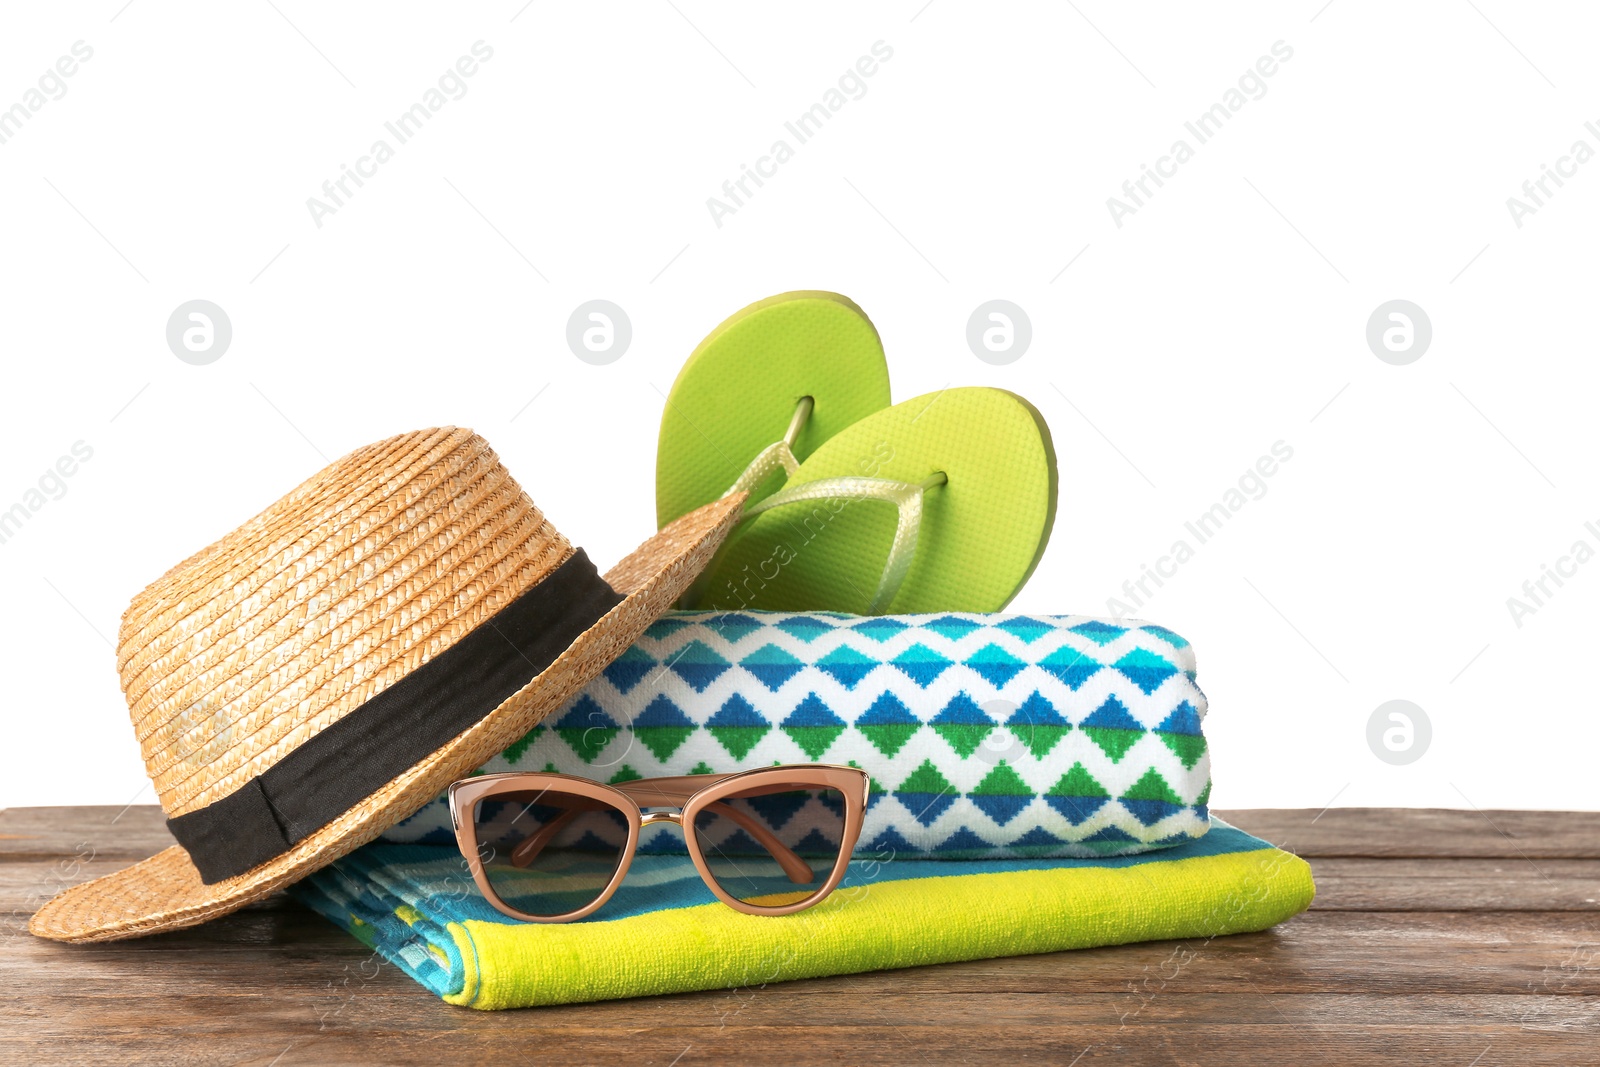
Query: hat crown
point(370, 568)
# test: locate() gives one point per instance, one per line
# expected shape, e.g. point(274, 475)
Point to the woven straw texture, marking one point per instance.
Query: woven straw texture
point(369, 569)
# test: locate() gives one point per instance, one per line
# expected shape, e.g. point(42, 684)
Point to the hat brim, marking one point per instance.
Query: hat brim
point(165, 892)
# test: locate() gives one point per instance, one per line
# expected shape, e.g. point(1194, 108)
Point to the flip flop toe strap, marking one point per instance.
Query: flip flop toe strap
point(905, 496)
point(778, 454)
point(775, 456)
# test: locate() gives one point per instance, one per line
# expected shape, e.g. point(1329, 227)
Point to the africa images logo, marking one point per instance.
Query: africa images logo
point(451, 85)
point(52, 85)
point(52, 485)
point(803, 128)
point(1203, 128)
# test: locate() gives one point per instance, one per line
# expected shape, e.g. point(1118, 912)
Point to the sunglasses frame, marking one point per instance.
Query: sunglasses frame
point(690, 794)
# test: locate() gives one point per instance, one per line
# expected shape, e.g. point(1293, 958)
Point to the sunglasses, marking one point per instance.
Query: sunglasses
point(552, 848)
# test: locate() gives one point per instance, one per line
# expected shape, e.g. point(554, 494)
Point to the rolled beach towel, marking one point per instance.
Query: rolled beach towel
point(986, 736)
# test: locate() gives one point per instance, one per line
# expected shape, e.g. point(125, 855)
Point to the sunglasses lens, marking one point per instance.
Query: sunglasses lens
point(546, 852)
point(774, 843)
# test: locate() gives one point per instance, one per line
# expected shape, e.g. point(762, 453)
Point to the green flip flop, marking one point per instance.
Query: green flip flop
point(793, 370)
point(942, 503)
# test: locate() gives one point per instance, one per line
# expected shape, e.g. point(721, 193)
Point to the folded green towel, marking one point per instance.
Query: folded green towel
point(663, 932)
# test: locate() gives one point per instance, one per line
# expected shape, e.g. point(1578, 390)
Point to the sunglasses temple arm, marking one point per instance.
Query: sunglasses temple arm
point(798, 870)
point(528, 851)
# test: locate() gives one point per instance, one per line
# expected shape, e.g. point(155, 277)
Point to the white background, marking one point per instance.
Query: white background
point(1227, 314)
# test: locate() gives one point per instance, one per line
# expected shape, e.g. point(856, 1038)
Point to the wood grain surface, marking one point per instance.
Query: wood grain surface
point(1438, 937)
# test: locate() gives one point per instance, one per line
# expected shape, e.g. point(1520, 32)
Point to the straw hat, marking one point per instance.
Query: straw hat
point(330, 666)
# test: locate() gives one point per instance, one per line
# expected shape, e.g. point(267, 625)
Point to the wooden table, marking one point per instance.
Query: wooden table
point(1438, 937)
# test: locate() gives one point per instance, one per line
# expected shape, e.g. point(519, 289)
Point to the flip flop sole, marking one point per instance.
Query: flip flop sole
point(982, 533)
point(737, 393)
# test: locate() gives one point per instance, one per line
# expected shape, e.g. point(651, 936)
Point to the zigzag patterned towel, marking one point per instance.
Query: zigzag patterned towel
point(986, 736)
